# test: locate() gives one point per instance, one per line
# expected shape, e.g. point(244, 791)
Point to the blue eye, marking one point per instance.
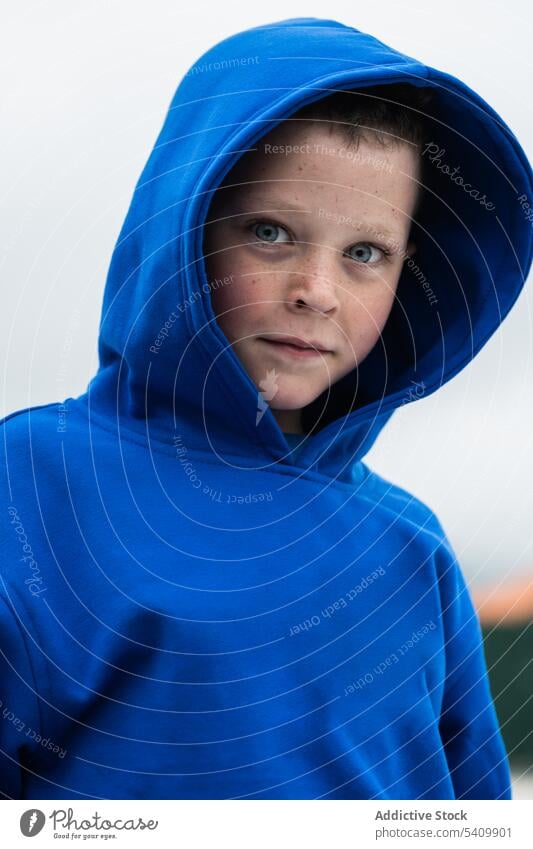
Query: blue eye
point(363, 252)
point(269, 231)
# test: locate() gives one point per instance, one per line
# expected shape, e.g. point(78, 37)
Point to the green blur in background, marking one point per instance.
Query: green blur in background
point(509, 654)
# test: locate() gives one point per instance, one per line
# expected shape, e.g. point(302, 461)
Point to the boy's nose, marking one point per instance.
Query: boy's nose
point(314, 285)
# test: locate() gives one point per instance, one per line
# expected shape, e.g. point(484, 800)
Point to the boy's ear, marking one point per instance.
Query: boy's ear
point(411, 248)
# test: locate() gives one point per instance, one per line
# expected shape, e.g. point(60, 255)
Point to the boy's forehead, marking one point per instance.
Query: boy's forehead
point(288, 167)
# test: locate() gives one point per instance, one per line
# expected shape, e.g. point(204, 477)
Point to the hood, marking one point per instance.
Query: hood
point(166, 369)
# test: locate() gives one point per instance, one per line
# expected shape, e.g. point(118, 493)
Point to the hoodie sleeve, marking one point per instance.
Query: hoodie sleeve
point(19, 709)
point(468, 726)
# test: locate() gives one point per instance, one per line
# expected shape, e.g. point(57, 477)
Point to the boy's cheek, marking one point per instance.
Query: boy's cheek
point(245, 295)
point(237, 318)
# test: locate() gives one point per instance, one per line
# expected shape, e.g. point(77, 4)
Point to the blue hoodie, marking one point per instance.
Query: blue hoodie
point(190, 611)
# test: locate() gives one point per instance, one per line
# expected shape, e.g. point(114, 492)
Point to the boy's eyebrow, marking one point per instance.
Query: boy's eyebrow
point(279, 203)
point(259, 203)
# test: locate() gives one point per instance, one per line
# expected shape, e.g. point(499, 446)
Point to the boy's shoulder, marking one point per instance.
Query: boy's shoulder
point(405, 507)
point(32, 481)
point(417, 523)
point(29, 427)
point(17, 418)
point(40, 422)
point(31, 440)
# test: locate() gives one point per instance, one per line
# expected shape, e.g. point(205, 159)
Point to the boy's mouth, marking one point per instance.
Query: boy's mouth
point(296, 347)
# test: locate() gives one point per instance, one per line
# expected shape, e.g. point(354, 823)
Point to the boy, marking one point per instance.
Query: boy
point(303, 173)
point(188, 610)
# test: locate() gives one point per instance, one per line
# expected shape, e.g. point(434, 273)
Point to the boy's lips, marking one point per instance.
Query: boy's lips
point(295, 346)
point(298, 342)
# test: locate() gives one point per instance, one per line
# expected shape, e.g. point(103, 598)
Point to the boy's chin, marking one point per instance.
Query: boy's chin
point(295, 400)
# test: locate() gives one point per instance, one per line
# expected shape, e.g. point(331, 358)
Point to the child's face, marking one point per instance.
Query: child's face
point(298, 242)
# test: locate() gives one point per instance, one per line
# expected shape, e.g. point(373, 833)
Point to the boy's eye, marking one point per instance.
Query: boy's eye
point(268, 231)
point(362, 252)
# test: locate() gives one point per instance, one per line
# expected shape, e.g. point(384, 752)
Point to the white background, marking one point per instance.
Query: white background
point(86, 84)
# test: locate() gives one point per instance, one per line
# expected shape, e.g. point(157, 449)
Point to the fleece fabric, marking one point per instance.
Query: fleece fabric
point(186, 610)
